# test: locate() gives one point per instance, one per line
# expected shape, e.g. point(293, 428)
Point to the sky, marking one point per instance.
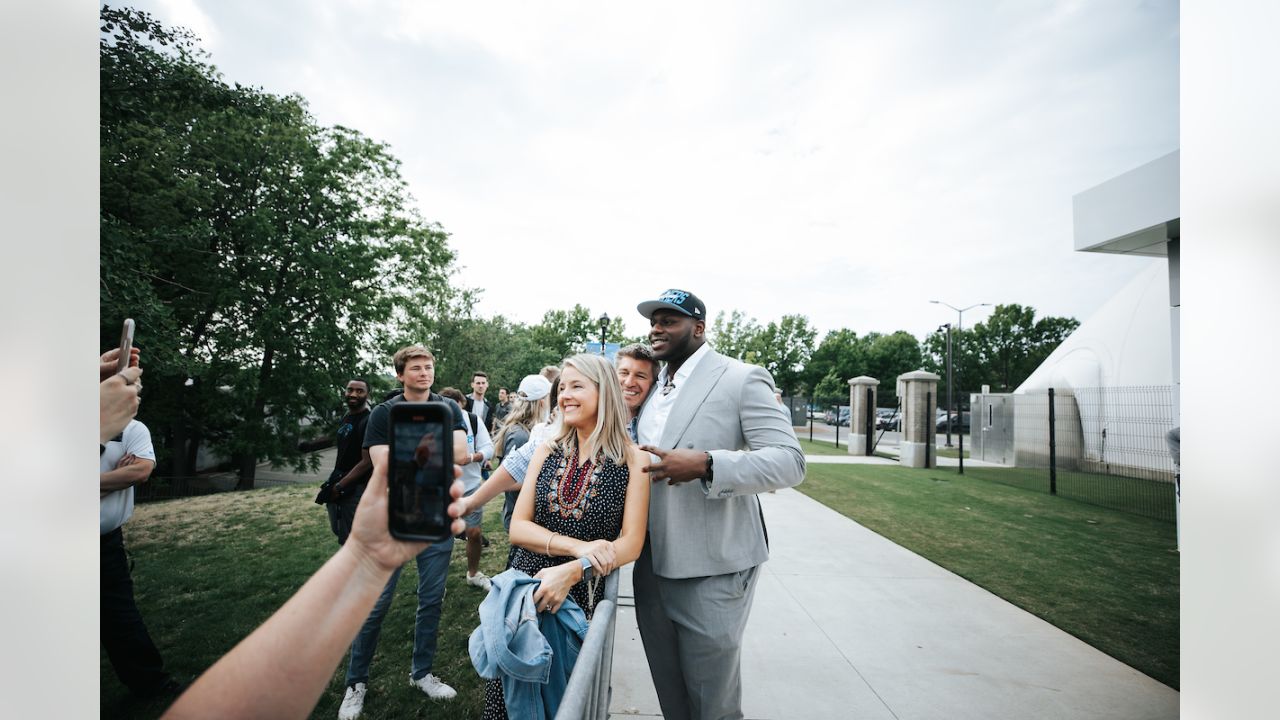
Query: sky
point(845, 161)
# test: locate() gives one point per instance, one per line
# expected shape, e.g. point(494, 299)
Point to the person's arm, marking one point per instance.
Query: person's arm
point(635, 514)
point(358, 471)
point(509, 476)
point(484, 444)
point(281, 669)
point(130, 471)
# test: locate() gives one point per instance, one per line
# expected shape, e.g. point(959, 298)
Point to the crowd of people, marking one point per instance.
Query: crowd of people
point(654, 459)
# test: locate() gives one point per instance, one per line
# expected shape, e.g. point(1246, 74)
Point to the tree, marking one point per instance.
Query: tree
point(735, 335)
point(259, 252)
point(783, 348)
point(1002, 351)
point(887, 357)
point(840, 353)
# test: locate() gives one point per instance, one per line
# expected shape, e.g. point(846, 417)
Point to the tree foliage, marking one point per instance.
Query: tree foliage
point(1002, 351)
point(261, 254)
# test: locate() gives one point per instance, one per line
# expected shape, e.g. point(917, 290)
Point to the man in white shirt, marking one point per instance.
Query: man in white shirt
point(124, 461)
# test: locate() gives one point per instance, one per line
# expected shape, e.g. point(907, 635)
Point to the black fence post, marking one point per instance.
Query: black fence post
point(930, 431)
point(870, 428)
point(960, 435)
point(837, 425)
point(1053, 449)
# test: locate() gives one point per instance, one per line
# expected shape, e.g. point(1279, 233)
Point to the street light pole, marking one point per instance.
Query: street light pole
point(604, 331)
point(949, 397)
point(960, 327)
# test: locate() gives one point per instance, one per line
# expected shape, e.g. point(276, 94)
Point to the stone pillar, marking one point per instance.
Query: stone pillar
point(919, 395)
point(859, 431)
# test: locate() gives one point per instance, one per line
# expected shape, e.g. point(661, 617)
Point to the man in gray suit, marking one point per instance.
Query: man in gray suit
point(719, 438)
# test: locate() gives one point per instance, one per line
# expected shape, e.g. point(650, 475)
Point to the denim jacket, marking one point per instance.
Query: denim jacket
point(533, 653)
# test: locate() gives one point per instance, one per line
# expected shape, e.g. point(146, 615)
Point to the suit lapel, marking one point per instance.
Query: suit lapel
point(696, 389)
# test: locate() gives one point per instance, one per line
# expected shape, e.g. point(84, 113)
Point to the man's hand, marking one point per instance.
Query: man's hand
point(117, 402)
point(127, 460)
point(676, 466)
point(111, 359)
point(370, 538)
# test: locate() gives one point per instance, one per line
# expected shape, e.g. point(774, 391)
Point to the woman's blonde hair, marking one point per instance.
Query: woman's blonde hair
point(610, 433)
point(523, 414)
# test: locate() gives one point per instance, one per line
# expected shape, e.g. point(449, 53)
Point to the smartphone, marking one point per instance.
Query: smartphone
point(420, 472)
point(126, 345)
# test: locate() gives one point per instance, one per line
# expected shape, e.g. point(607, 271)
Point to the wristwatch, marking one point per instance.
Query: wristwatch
point(711, 471)
point(586, 568)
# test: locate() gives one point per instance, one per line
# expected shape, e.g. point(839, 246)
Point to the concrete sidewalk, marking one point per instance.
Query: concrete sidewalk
point(873, 630)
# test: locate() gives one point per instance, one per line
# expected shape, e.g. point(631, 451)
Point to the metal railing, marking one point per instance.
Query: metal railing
point(586, 697)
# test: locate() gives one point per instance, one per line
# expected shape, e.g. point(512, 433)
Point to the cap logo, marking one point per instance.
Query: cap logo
point(675, 297)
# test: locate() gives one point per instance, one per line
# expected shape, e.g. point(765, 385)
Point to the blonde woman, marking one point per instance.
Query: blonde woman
point(590, 499)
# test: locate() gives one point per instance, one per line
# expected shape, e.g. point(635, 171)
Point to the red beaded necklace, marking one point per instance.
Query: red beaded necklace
point(571, 487)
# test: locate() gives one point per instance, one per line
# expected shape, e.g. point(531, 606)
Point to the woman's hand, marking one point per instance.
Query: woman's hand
point(556, 581)
point(603, 556)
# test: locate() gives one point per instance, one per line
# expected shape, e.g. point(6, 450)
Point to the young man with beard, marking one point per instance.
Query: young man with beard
point(718, 438)
point(416, 370)
point(352, 468)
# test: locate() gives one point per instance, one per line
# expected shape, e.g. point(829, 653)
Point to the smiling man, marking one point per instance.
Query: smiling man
point(719, 438)
point(352, 467)
point(637, 369)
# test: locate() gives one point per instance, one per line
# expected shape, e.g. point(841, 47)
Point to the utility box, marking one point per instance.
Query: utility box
point(862, 414)
point(919, 396)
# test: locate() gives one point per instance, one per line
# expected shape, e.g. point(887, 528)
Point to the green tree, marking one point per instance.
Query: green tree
point(261, 254)
point(783, 348)
point(887, 357)
point(840, 353)
point(1001, 351)
point(734, 335)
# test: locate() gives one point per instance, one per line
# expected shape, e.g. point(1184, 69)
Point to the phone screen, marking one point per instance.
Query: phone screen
point(421, 471)
point(126, 344)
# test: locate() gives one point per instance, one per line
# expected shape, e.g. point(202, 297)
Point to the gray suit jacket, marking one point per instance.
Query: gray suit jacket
point(698, 528)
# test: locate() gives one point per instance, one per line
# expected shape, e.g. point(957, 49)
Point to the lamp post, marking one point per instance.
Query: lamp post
point(948, 328)
point(959, 327)
point(604, 331)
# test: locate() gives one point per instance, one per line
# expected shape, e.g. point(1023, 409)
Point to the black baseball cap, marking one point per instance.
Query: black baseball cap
point(681, 301)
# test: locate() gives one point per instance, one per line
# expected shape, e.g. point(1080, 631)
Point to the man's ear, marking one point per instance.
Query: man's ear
point(699, 328)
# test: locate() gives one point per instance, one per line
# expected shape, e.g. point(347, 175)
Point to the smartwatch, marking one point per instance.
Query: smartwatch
point(586, 568)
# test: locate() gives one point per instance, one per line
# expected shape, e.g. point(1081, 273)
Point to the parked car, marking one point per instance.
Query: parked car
point(960, 423)
point(843, 417)
point(887, 419)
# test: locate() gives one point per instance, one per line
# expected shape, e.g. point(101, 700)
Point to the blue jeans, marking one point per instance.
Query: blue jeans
point(433, 568)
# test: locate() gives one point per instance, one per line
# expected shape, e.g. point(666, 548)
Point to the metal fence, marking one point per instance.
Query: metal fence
point(587, 695)
point(1104, 446)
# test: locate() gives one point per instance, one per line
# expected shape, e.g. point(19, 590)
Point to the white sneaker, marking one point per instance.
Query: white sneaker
point(353, 703)
point(433, 687)
point(479, 580)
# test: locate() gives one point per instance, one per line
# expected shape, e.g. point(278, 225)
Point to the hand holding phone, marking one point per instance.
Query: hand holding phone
point(126, 345)
point(420, 471)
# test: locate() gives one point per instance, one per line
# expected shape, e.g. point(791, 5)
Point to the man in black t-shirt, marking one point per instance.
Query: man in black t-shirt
point(352, 468)
point(415, 369)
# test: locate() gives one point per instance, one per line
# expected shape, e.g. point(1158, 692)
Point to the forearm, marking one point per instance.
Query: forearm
point(498, 483)
point(124, 477)
point(281, 669)
point(360, 471)
point(535, 538)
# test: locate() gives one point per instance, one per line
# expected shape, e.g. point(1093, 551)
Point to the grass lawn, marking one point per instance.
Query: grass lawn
point(1152, 498)
point(209, 570)
point(822, 447)
point(1108, 577)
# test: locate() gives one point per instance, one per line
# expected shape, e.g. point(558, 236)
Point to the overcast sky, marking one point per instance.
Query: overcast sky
point(848, 161)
